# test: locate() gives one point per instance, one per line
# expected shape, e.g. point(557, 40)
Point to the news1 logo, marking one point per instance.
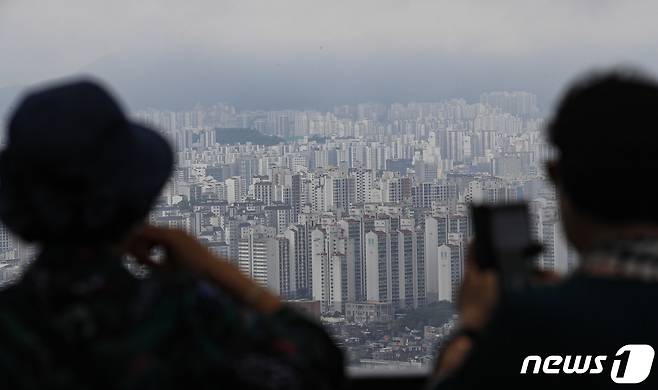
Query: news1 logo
point(631, 364)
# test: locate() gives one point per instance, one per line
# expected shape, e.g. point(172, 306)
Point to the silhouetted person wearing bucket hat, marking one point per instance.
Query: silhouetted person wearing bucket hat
point(78, 178)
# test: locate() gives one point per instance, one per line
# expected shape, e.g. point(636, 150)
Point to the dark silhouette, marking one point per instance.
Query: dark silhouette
point(605, 134)
point(78, 178)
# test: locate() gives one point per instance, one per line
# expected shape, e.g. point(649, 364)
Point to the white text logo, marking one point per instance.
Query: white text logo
point(631, 364)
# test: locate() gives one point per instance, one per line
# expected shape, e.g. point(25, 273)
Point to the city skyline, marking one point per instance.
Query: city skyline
point(358, 215)
point(367, 223)
point(295, 54)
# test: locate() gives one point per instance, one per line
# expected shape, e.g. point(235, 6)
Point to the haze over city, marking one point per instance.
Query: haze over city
point(301, 54)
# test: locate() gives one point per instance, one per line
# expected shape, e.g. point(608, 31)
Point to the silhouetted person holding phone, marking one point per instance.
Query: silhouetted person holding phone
point(599, 326)
point(78, 178)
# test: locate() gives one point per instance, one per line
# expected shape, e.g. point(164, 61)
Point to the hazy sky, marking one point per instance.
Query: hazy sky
point(281, 53)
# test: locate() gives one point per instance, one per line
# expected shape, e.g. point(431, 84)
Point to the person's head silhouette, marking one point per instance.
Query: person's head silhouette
point(75, 170)
point(606, 137)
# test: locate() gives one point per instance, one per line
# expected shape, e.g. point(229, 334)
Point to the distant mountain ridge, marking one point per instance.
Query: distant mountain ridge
point(232, 136)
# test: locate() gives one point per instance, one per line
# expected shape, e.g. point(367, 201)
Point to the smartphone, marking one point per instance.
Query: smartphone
point(503, 241)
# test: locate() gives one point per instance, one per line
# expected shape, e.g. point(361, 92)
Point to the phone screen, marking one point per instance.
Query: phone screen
point(510, 229)
point(502, 239)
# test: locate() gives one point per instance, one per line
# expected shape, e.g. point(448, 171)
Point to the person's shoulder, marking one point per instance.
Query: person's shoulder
point(572, 290)
point(581, 292)
point(582, 310)
point(548, 308)
point(199, 297)
point(11, 297)
point(15, 306)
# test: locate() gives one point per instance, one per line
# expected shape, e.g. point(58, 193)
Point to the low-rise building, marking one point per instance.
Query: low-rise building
point(368, 312)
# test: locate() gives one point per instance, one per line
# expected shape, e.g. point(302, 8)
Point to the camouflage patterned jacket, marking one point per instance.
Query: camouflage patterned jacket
point(90, 324)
